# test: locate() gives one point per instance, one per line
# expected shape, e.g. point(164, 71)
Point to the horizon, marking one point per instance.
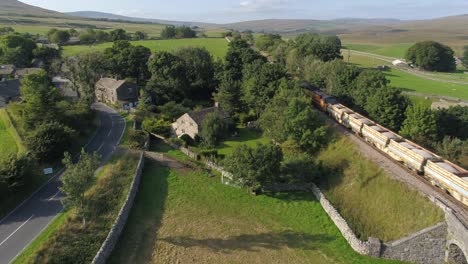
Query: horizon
point(228, 11)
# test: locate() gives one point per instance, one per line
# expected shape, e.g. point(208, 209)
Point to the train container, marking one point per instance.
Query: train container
point(449, 177)
point(355, 122)
point(378, 136)
point(336, 111)
point(412, 155)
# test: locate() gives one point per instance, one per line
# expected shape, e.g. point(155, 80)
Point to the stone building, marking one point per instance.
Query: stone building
point(65, 87)
point(6, 70)
point(191, 123)
point(118, 92)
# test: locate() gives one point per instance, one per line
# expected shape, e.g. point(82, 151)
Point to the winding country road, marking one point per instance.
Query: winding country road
point(27, 221)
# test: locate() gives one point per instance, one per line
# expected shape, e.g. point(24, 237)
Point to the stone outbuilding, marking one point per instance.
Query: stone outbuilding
point(65, 87)
point(9, 91)
point(191, 123)
point(6, 70)
point(117, 92)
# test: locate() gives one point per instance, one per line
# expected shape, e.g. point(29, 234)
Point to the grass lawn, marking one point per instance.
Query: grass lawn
point(217, 46)
point(410, 82)
point(10, 142)
point(245, 136)
point(187, 217)
point(157, 145)
point(372, 203)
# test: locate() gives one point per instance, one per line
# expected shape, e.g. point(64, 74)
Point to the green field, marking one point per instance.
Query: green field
point(245, 136)
point(10, 142)
point(373, 204)
point(217, 46)
point(410, 82)
point(188, 217)
point(396, 50)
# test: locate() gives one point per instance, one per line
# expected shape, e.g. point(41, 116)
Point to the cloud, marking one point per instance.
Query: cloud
point(263, 5)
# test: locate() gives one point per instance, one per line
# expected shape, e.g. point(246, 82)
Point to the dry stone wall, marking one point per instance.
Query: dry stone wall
point(119, 224)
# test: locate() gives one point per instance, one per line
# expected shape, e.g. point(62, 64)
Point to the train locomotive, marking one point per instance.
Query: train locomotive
point(440, 172)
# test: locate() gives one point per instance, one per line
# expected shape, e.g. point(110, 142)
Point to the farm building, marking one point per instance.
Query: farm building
point(399, 63)
point(191, 123)
point(120, 92)
point(9, 91)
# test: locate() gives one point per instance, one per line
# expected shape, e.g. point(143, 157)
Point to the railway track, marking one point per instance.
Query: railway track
point(405, 175)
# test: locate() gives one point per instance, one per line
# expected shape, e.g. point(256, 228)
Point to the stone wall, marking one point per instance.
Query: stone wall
point(119, 224)
point(358, 245)
point(426, 246)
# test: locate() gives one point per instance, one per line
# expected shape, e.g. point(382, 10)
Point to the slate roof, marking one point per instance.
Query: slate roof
point(110, 83)
point(199, 116)
point(65, 86)
point(25, 71)
point(7, 69)
point(9, 89)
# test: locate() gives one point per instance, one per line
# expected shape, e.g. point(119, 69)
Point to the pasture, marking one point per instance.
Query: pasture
point(184, 216)
point(410, 82)
point(373, 204)
point(216, 46)
point(396, 50)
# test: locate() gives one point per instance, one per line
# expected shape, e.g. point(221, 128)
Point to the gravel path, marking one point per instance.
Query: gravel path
point(402, 174)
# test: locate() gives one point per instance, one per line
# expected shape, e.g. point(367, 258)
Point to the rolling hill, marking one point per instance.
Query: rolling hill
point(17, 8)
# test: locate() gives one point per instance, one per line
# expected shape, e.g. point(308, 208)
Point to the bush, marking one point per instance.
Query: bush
point(188, 141)
point(14, 170)
point(157, 126)
point(137, 139)
point(176, 141)
point(209, 153)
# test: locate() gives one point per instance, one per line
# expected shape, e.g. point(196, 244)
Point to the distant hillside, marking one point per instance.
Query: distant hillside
point(102, 15)
point(17, 8)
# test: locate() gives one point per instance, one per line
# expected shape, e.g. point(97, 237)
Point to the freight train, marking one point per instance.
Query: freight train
point(440, 172)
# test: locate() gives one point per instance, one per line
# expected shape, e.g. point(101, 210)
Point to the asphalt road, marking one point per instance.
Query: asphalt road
point(27, 221)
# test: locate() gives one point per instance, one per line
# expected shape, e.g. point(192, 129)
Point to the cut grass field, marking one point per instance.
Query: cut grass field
point(410, 82)
point(373, 204)
point(187, 217)
point(245, 136)
point(216, 46)
point(395, 50)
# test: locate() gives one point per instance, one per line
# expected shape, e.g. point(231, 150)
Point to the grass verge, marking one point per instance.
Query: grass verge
point(10, 142)
point(373, 204)
point(190, 218)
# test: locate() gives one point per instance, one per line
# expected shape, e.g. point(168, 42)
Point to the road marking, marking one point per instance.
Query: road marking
point(51, 198)
point(100, 147)
point(16, 230)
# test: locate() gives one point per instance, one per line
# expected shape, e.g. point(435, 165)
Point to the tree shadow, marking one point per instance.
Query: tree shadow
point(254, 242)
point(139, 237)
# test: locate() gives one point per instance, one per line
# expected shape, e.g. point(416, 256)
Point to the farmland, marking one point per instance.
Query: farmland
point(217, 46)
point(410, 82)
point(187, 217)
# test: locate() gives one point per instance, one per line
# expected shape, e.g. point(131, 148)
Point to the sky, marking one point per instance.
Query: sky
point(226, 11)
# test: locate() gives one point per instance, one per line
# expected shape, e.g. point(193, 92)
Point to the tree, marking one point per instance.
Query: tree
point(200, 71)
point(239, 54)
point(453, 122)
point(431, 56)
point(140, 35)
point(255, 167)
point(6, 30)
point(171, 111)
point(168, 78)
point(465, 57)
point(59, 36)
point(168, 32)
point(13, 170)
point(452, 149)
point(323, 47)
point(267, 41)
point(387, 106)
point(118, 34)
point(185, 32)
point(157, 126)
point(49, 140)
point(17, 50)
point(214, 128)
point(39, 99)
point(229, 95)
point(48, 56)
point(127, 61)
point(420, 124)
point(366, 84)
point(84, 71)
point(77, 179)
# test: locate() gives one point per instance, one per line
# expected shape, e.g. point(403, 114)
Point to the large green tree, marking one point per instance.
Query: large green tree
point(432, 56)
point(14, 170)
point(255, 167)
point(77, 179)
point(420, 124)
point(323, 47)
point(453, 122)
point(452, 149)
point(465, 56)
point(366, 84)
point(388, 106)
point(16, 49)
point(58, 36)
point(214, 128)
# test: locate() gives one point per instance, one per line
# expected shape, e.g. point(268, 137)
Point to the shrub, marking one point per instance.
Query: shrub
point(188, 141)
point(137, 139)
point(157, 126)
point(209, 153)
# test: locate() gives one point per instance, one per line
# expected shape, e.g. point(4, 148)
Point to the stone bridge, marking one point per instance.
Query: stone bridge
point(457, 238)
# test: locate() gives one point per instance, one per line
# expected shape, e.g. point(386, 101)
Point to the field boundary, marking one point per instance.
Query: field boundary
point(117, 228)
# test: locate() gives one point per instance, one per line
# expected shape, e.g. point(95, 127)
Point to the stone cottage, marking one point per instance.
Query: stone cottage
point(191, 123)
point(119, 92)
point(9, 91)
